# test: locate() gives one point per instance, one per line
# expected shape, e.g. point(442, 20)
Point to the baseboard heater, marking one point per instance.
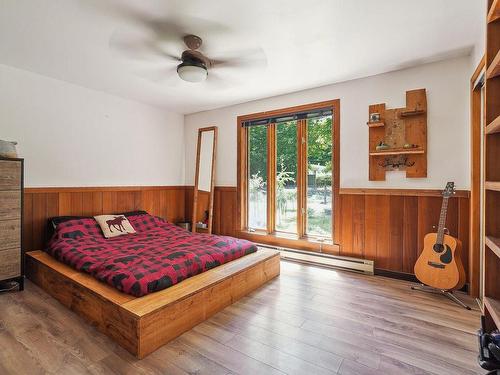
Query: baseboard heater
point(364, 266)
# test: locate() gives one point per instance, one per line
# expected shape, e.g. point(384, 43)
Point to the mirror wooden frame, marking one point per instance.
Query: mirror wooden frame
point(212, 182)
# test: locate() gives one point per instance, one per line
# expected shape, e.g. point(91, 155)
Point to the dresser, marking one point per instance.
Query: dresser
point(11, 212)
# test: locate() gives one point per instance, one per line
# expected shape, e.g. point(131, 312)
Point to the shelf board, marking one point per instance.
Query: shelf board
point(492, 185)
point(494, 126)
point(494, 68)
point(494, 244)
point(377, 124)
point(493, 307)
point(398, 151)
point(416, 112)
point(494, 13)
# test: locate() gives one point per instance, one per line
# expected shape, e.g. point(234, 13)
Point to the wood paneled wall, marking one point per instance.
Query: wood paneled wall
point(41, 204)
point(225, 209)
point(387, 226)
point(390, 228)
point(383, 225)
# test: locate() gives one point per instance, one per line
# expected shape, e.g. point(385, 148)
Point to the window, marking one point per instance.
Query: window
point(319, 176)
point(257, 177)
point(286, 177)
point(287, 171)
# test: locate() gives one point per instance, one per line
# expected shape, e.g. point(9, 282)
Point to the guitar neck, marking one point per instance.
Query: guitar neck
point(442, 221)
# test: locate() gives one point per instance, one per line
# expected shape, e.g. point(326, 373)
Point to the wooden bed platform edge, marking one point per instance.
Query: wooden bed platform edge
point(141, 325)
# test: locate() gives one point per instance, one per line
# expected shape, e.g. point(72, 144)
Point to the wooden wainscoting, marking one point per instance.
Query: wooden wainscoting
point(389, 225)
point(225, 209)
point(43, 203)
point(384, 225)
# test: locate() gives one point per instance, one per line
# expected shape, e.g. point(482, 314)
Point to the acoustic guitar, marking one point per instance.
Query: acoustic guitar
point(439, 265)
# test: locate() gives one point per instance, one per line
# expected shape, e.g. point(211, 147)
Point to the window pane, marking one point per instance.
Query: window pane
point(319, 176)
point(257, 177)
point(286, 177)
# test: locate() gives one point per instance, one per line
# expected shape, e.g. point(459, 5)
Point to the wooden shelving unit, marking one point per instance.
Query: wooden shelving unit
point(493, 244)
point(491, 261)
point(399, 127)
point(494, 11)
point(494, 126)
point(493, 306)
point(494, 68)
point(492, 185)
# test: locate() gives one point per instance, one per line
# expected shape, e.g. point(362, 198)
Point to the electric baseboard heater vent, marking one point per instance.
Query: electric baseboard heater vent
point(364, 266)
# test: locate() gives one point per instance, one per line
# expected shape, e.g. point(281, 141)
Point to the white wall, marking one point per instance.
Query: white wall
point(447, 85)
point(480, 43)
point(73, 136)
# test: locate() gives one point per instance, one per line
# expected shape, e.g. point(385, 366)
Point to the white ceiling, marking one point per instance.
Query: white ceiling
point(307, 43)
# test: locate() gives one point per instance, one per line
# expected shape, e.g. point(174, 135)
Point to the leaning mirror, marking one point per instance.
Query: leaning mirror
point(203, 196)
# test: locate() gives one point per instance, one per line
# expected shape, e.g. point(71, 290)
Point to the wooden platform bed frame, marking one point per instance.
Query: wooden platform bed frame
point(142, 325)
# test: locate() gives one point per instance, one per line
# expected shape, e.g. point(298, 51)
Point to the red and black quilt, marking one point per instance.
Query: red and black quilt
point(158, 256)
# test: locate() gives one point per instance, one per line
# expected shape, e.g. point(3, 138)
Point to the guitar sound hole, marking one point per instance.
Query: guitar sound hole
point(447, 257)
point(438, 248)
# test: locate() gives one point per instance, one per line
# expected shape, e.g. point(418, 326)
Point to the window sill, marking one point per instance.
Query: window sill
point(291, 241)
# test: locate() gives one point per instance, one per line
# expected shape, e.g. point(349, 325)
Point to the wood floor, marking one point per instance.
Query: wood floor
point(308, 321)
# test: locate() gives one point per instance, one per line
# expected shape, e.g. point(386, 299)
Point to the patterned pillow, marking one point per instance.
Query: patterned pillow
point(114, 225)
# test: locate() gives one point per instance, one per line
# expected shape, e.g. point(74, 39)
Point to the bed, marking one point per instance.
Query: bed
point(145, 289)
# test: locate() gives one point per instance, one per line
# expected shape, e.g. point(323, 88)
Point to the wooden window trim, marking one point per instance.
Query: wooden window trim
point(282, 239)
point(301, 181)
point(271, 181)
point(475, 161)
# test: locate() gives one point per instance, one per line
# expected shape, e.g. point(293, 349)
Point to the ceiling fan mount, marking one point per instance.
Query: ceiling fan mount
point(192, 41)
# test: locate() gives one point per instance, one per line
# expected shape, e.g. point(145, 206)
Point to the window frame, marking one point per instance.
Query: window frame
point(270, 235)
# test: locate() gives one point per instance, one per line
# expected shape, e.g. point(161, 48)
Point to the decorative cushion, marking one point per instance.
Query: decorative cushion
point(114, 225)
point(53, 222)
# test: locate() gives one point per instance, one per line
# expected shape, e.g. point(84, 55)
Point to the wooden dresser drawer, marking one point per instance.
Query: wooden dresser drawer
point(10, 204)
point(10, 175)
point(10, 234)
point(10, 263)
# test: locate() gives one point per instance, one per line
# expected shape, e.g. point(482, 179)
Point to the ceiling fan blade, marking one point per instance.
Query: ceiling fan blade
point(139, 48)
point(215, 81)
point(166, 24)
point(255, 58)
point(158, 75)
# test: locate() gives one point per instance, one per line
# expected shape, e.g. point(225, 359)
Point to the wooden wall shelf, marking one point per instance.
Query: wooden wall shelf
point(494, 68)
point(397, 127)
point(375, 124)
point(412, 113)
point(492, 185)
point(494, 12)
point(398, 151)
point(494, 126)
point(494, 244)
point(493, 307)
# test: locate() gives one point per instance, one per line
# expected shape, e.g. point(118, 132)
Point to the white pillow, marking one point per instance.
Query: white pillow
point(114, 225)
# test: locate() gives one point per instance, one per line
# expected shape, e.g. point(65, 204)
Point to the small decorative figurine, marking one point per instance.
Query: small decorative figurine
point(382, 146)
point(374, 117)
point(409, 145)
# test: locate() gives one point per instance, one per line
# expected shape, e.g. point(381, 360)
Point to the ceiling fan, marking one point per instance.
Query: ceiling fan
point(194, 64)
point(191, 65)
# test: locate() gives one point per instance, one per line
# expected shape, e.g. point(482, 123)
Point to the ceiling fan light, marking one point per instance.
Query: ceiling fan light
point(192, 72)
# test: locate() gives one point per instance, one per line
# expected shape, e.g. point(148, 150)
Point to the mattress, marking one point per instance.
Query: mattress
point(156, 257)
